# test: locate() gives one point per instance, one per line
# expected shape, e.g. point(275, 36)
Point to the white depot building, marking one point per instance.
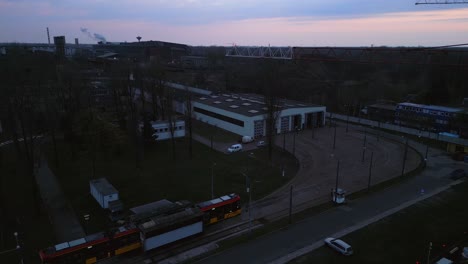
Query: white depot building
point(245, 114)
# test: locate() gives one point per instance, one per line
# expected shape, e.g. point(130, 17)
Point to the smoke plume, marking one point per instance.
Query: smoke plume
point(93, 36)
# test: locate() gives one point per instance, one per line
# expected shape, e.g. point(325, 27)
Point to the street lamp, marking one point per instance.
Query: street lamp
point(86, 218)
point(248, 186)
point(18, 247)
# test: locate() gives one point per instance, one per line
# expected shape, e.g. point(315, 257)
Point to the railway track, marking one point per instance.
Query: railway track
point(166, 252)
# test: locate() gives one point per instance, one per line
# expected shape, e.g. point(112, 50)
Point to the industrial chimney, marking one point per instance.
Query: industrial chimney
point(48, 36)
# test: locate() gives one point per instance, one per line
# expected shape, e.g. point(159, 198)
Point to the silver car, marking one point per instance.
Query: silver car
point(339, 245)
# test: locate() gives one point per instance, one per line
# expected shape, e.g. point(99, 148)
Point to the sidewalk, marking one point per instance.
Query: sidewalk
point(63, 218)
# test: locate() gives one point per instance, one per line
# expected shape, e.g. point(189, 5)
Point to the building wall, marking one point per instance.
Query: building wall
point(302, 112)
point(163, 132)
point(248, 128)
point(423, 117)
point(245, 130)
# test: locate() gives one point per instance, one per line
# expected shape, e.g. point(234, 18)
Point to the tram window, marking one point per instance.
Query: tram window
point(213, 213)
point(220, 213)
point(236, 206)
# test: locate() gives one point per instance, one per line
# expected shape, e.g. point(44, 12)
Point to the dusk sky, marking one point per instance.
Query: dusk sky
point(243, 22)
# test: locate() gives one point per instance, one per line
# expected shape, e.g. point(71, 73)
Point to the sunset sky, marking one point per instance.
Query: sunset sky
point(243, 22)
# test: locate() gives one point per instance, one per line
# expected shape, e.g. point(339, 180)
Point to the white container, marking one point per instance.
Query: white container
point(172, 236)
point(103, 192)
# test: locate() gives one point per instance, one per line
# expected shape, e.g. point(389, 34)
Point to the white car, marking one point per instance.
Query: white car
point(339, 245)
point(235, 148)
point(261, 144)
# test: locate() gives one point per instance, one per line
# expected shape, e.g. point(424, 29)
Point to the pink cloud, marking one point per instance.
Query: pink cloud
point(427, 28)
point(406, 28)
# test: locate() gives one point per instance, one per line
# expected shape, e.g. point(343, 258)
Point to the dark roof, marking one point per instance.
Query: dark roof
point(384, 106)
point(158, 205)
point(432, 107)
point(246, 104)
point(158, 209)
point(167, 220)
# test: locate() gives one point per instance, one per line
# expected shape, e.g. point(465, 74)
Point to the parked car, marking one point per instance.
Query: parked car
point(235, 148)
point(339, 245)
point(444, 261)
point(261, 144)
point(246, 139)
point(457, 174)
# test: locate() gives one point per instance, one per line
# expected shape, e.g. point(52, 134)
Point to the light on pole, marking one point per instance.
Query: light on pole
point(86, 218)
point(427, 150)
point(429, 252)
point(249, 190)
point(18, 247)
point(336, 183)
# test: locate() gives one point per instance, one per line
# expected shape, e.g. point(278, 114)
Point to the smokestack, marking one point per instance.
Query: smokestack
point(76, 41)
point(48, 36)
point(59, 42)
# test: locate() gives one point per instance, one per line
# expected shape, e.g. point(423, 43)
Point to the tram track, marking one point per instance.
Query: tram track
point(172, 251)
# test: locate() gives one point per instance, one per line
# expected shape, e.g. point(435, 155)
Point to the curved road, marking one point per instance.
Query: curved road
point(283, 245)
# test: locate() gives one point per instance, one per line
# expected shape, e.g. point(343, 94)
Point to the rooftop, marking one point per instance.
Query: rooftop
point(103, 186)
point(217, 200)
point(432, 107)
point(386, 106)
point(246, 104)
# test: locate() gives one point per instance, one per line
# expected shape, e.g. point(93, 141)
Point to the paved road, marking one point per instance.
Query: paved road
point(312, 230)
point(318, 165)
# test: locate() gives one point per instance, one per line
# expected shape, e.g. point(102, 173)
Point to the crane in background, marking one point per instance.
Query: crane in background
point(440, 2)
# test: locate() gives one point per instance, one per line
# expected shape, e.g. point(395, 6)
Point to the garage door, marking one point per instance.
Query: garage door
point(284, 124)
point(259, 128)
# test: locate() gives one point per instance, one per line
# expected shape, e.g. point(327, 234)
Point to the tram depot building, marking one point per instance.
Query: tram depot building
point(246, 114)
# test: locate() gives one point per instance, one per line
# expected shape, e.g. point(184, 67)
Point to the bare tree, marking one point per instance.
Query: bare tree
point(188, 120)
point(271, 84)
point(172, 119)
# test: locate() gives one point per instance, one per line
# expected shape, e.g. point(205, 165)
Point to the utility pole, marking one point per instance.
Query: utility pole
point(290, 204)
point(212, 181)
point(336, 184)
point(429, 252)
point(427, 150)
point(294, 144)
point(347, 121)
point(313, 132)
point(334, 138)
point(284, 141)
point(404, 158)
point(250, 206)
point(364, 145)
point(370, 171)
point(86, 218)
